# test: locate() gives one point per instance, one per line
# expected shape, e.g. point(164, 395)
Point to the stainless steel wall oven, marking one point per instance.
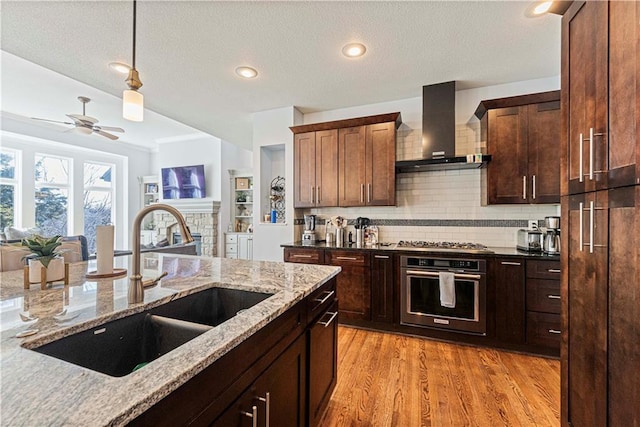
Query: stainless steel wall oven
point(455, 300)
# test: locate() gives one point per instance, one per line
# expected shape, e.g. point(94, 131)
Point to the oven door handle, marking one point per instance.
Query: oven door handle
point(436, 274)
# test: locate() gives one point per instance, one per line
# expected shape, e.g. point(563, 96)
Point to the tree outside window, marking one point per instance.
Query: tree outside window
point(52, 194)
point(8, 188)
point(98, 199)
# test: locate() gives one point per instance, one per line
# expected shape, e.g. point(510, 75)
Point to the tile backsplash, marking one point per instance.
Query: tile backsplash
point(442, 205)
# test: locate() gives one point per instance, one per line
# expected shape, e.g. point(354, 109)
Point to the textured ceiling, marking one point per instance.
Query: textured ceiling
point(187, 51)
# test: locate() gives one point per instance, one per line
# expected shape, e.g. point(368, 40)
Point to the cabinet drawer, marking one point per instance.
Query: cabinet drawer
point(231, 238)
point(543, 329)
point(231, 248)
point(320, 300)
point(347, 258)
point(540, 269)
point(305, 256)
point(543, 295)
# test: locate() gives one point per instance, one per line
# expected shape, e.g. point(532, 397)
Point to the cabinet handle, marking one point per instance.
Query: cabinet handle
point(300, 256)
point(361, 193)
point(591, 215)
point(581, 167)
point(369, 193)
point(267, 401)
point(533, 187)
point(317, 197)
point(554, 331)
point(553, 270)
point(348, 258)
point(311, 194)
point(381, 256)
point(331, 319)
point(553, 296)
point(590, 154)
point(253, 415)
point(328, 295)
point(510, 263)
point(524, 187)
point(580, 230)
point(434, 274)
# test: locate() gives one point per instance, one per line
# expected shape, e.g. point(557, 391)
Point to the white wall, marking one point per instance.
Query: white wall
point(271, 131)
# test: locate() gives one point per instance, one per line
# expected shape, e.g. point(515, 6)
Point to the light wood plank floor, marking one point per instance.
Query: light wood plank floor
point(393, 380)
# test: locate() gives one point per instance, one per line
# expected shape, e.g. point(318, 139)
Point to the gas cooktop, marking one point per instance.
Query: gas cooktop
point(444, 246)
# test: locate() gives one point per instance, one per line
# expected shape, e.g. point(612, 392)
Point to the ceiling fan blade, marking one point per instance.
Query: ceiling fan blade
point(106, 134)
point(109, 128)
point(52, 121)
point(83, 119)
point(80, 129)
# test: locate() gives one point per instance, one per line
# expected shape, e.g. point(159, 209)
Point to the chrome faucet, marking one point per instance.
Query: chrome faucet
point(136, 284)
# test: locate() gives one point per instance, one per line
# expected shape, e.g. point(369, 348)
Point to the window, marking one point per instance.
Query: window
point(98, 199)
point(8, 188)
point(52, 185)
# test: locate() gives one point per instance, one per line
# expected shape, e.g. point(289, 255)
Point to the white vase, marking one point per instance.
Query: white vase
point(55, 270)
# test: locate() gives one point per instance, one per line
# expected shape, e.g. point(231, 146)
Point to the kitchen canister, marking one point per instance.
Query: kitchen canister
point(274, 216)
point(339, 237)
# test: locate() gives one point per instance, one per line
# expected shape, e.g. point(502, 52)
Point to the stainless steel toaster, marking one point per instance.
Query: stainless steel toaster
point(530, 240)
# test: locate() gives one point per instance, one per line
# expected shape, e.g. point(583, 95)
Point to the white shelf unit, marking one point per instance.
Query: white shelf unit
point(150, 194)
point(242, 203)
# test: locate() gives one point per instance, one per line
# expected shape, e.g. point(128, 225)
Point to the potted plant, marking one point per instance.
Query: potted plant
point(44, 254)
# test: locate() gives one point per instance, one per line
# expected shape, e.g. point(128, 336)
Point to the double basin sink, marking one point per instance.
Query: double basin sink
point(120, 347)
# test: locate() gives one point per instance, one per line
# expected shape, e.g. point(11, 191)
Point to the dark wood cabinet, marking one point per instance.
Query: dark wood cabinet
point(543, 304)
point(508, 275)
point(315, 169)
point(275, 398)
point(304, 256)
point(353, 284)
point(601, 71)
point(346, 162)
point(523, 138)
point(382, 277)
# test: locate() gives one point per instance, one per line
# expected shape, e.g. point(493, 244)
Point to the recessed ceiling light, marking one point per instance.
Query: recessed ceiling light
point(120, 67)
point(538, 8)
point(246, 72)
point(354, 50)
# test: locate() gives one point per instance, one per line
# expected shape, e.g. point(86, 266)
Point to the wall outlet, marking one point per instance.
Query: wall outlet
point(533, 224)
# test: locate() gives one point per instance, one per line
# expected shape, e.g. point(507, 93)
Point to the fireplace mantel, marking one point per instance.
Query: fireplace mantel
point(194, 205)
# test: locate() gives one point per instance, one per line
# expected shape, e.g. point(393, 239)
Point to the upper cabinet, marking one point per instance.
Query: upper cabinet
point(346, 162)
point(523, 137)
point(601, 75)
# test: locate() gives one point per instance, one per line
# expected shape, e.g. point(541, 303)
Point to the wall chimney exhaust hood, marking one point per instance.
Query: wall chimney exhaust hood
point(439, 134)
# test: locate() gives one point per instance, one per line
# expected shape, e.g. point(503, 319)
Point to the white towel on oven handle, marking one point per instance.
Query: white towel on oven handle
point(447, 289)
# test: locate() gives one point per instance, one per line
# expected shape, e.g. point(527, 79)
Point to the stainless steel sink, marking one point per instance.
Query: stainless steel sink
point(119, 347)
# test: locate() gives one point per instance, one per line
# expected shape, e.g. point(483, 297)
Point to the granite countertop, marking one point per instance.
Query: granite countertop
point(393, 247)
point(42, 390)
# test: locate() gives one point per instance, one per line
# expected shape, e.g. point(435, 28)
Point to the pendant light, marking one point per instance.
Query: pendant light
point(132, 100)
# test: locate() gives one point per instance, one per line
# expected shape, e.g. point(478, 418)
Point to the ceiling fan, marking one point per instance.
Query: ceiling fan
point(86, 124)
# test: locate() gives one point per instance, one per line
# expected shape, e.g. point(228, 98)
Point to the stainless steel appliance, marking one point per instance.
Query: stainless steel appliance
point(551, 243)
point(423, 293)
point(461, 247)
point(530, 240)
point(309, 233)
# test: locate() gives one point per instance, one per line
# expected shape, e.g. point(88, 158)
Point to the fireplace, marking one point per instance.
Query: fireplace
point(197, 238)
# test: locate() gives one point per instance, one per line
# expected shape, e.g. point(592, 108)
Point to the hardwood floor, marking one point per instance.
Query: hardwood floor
point(393, 380)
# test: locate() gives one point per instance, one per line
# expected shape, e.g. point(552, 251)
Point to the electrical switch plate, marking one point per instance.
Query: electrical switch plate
point(533, 224)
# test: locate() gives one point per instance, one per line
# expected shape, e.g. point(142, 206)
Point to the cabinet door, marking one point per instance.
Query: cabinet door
point(508, 278)
point(353, 284)
point(544, 152)
point(243, 247)
point(382, 287)
point(624, 307)
point(326, 168)
point(624, 85)
point(323, 357)
point(586, 316)
point(507, 180)
point(584, 94)
point(304, 256)
point(351, 161)
point(304, 169)
point(381, 159)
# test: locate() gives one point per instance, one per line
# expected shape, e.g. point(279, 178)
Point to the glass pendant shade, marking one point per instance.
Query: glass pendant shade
point(132, 105)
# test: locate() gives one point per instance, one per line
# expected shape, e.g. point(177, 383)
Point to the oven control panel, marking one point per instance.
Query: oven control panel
point(445, 263)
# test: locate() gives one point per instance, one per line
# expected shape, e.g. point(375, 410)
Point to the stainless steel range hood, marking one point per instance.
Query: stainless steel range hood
point(439, 133)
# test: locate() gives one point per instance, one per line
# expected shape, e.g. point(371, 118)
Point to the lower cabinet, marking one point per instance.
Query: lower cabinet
point(276, 397)
point(353, 284)
point(543, 303)
point(382, 287)
point(508, 275)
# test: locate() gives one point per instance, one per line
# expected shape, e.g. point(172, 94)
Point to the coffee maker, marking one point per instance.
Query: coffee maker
point(309, 233)
point(551, 244)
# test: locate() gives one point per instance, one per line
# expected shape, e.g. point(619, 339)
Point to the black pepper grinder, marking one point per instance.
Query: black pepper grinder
point(350, 237)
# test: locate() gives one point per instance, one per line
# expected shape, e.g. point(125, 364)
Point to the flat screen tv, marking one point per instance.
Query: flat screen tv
point(183, 182)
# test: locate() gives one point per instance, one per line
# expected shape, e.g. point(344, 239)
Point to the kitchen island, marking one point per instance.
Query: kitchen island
point(41, 390)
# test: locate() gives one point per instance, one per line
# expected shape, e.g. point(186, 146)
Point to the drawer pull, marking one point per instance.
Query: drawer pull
point(267, 401)
point(510, 263)
point(253, 415)
point(553, 296)
point(554, 331)
point(301, 256)
point(553, 270)
point(321, 301)
point(381, 256)
point(347, 258)
point(331, 319)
